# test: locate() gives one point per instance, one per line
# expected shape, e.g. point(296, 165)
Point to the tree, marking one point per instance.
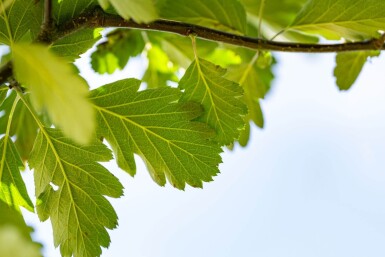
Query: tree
point(54, 124)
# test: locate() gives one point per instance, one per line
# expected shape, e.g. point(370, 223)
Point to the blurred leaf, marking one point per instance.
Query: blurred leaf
point(279, 12)
point(3, 93)
point(336, 19)
point(138, 10)
point(77, 43)
point(15, 235)
point(224, 57)
point(55, 86)
point(265, 59)
point(226, 15)
point(160, 69)
point(22, 17)
point(203, 83)
point(276, 16)
point(153, 125)
point(349, 66)
point(116, 51)
point(179, 49)
point(256, 83)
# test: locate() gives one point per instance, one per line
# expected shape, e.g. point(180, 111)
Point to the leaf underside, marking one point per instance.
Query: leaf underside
point(153, 125)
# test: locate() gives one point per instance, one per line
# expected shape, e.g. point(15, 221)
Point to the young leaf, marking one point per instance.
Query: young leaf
point(20, 18)
point(70, 185)
point(138, 10)
point(151, 124)
point(227, 15)
point(203, 83)
point(55, 86)
point(77, 43)
point(350, 19)
point(349, 66)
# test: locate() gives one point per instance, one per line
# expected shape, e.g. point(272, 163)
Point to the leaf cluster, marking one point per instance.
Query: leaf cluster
point(195, 97)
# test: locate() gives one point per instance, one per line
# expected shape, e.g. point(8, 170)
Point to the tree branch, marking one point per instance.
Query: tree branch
point(98, 19)
point(47, 25)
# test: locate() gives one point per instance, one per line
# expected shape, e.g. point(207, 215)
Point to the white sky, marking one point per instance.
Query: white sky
point(312, 183)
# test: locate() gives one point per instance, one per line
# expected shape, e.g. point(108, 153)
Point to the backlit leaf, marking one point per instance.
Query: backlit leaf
point(349, 66)
point(153, 125)
point(350, 19)
point(56, 87)
point(12, 187)
point(71, 185)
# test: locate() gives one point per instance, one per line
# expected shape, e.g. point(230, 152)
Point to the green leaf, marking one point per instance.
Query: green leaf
point(117, 50)
point(55, 86)
point(349, 66)
point(22, 17)
point(65, 10)
point(71, 185)
point(138, 10)
point(227, 15)
point(12, 188)
point(23, 126)
point(151, 124)
point(15, 235)
point(349, 19)
point(77, 43)
point(203, 83)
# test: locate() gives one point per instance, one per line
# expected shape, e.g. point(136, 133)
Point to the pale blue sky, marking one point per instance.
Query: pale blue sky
point(312, 183)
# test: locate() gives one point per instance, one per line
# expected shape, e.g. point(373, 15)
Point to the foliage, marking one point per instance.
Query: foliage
point(197, 95)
